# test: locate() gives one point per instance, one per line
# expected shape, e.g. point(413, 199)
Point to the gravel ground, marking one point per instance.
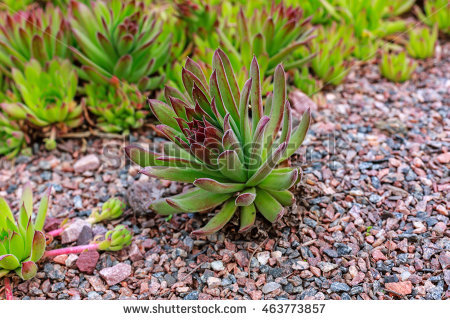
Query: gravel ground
point(370, 222)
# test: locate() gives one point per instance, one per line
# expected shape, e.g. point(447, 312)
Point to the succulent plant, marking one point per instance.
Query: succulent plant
point(111, 209)
point(304, 81)
point(114, 240)
point(22, 242)
point(397, 67)
point(422, 42)
point(118, 38)
point(199, 16)
point(333, 46)
point(48, 95)
point(398, 7)
point(36, 34)
point(15, 5)
point(436, 12)
point(270, 34)
point(12, 138)
point(366, 16)
point(366, 48)
point(117, 106)
point(227, 149)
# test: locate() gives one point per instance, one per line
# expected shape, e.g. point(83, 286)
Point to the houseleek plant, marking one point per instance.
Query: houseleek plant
point(22, 242)
point(228, 143)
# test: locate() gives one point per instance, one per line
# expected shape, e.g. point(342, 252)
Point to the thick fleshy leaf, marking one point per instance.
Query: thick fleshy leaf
point(27, 270)
point(142, 157)
point(161, 206)
point(246, 197)
point(255, 93)
point(164, 113)
point(285, 197)
point(38, 246)
point(201, 201)
point(219, 220)
point(280, 179)
point(278, 101)
point(181, 174)
point(268, 206)
point(247, 218)
point(267, 166)
point(231, 167)
point(9, 262)
point(27, 198)
point(16, 245)
point(214, 186)
point(42, 211)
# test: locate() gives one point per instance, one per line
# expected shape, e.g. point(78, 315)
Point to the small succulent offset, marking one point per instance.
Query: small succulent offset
point(117, 38)
point(111, 209)
point(12, 138)
point(48, 94)
point(22, 242)
point(422, 42)
point(397, 67)
point(333, 48)
point(118, 107)
point(227, 149)
point(114, 240)
point(35, 34)
point(436, 12)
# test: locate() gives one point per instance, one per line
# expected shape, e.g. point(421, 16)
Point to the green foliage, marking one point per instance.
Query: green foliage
point(12, 139)
point(422, 42)
point(270, 34)
point(436, 12)
point(111, 209)
point(397, 67)
point(118, 38)
point(22, 242)
point(305, 82)
point(333, 46)
point(227, 150)
point(14, 5)
point(397, 7)
point(118, 107)
point(48, 96)
point(366, 48)
point(36, 34)
point(116, 239)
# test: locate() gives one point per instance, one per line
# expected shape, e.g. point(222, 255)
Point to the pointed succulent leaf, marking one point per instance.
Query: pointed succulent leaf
point(246, 197)
point(247, 217)
point(269, 207)
point(201, 201)
point(219, 220)
point(214, 186)
point(280, 179)
point(9, 262)
point(27, 270)
point(38, 246)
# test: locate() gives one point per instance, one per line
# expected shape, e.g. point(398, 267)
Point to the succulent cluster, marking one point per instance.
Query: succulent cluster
point(22, 242)
point(118, 107)
point(48, 97)
point(436, 12)
point(397, 67)
point(333, 46)
point(270, 34)
point(422, 42)
point(38, 34)
point(227, 149)
point(118, 38)
point(115, 239)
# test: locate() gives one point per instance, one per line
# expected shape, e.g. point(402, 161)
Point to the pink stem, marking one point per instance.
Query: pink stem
point(8, 291)
point(55, 232)
point(77, 249)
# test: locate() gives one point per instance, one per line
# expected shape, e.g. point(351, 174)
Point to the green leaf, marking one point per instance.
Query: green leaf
point(27, 199)
point(27, 270)
point(285, 197)
point(201, 201)
point(38, 246)
point(9, 262)
point(142, 157)
point(16, 245)
point(214, 186)
point(299, 134)
point(246, 197)
point(268, 206)
point(247, 218)
point(230, 166)
point(181, 174)
point(219, 220)
point(42, 211)
point(280, 179)
point(267, 167)
point(161, 206)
